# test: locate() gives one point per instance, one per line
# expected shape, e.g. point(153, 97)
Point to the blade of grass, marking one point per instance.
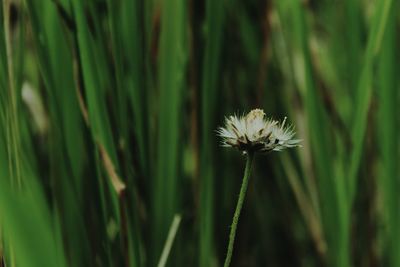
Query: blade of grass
point(27, 227)
point(94, 88)
point(3, 61)
point(133, 45)
point(171, 69)
point(333, 209)
point(93, 67)
point(170, 240)
point(353, 45)
point(14, 156)
point(388, 136)
point(211, 62)
point(305, 205)
point(281, 49)
point(364, 91)
point(66, 140)
point(116, 50)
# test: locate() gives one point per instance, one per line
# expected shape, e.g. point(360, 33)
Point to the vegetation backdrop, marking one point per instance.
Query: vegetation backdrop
point(108, 149)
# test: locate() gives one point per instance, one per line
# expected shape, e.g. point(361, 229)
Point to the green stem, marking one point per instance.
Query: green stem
point(243, 189)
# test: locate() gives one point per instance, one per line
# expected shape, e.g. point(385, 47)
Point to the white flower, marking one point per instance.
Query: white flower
point(253, 132)
point(283, 136)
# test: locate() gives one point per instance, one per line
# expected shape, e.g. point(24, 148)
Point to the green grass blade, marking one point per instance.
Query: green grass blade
point(364, 91)
point(27, 224)
point(94, 86)
point(170, 240)
point(212, 57)
point(333, 209)
point(388, 131)
point(171, 67)
point(66, 139)
point(133, 45)
point(96, 80)
point(353, 45)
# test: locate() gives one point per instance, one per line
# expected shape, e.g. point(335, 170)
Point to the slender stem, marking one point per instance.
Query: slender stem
point(243, 189)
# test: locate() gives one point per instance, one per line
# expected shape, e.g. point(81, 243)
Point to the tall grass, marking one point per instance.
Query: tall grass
point(108, 111)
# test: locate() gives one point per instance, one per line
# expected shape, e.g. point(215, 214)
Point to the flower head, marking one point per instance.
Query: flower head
point(253, 132)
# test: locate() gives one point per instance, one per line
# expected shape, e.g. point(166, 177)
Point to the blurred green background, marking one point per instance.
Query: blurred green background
point(108, 112)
